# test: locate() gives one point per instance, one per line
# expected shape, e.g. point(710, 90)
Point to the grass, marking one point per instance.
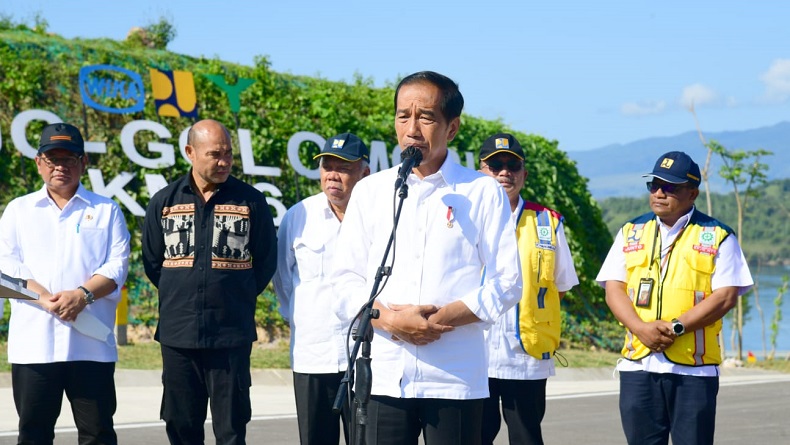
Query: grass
point(585, 358)
point(146, 355)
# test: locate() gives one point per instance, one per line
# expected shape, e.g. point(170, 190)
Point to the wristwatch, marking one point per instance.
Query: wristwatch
point(677, 327)
point(89, 298)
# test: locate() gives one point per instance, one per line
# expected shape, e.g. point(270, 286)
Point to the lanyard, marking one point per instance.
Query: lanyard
point(664, 259)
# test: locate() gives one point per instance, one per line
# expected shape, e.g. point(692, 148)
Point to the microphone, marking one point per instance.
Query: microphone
point(411, 158)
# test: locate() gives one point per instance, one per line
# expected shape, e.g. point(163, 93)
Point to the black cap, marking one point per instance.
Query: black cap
point(345, 146)
point(501, 143)
point(63, 136)
point(676, 167)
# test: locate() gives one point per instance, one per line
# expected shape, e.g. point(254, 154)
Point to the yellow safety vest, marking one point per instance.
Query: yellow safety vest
point(687, 282)
point(539, 309)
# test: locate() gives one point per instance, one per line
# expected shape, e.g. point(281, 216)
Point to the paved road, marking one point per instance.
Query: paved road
point(752, 409)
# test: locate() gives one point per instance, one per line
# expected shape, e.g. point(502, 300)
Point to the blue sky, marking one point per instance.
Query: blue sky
point(584, 73)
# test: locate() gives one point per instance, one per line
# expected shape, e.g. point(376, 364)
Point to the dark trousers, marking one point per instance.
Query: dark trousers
point(523, 406)
point(38, 395)
point(315, 394)
point(193, 377)
point(654, 406)
point(396, 421)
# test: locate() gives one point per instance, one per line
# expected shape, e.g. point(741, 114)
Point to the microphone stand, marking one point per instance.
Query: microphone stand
point(362, 338)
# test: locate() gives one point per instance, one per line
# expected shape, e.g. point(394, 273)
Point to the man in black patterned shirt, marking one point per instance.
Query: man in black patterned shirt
point(209, 246)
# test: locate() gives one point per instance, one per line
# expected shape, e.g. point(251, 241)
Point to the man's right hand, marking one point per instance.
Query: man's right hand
point(44, 302)
point(656, 335)
point(410, 323)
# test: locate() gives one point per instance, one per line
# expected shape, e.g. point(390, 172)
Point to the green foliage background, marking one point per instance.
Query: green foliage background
point(39, 71)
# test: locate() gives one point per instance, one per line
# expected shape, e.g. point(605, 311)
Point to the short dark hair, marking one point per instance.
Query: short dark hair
point(452, 100)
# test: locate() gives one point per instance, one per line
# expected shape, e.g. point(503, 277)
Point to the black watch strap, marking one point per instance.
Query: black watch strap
point(89, 298)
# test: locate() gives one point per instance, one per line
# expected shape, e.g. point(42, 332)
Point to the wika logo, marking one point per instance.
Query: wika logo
point(111, 89)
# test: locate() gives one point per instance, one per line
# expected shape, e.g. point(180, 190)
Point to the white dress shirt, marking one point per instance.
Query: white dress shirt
point(305, 253)
point(731, 270)
point(506, 358)
point(61, 250)
point(453, 223)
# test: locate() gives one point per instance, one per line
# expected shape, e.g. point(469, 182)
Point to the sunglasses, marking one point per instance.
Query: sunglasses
point(513, 165)
point(668, 188)
point(67, 161)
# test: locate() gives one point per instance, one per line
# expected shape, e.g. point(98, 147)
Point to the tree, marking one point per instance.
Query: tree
point(704, 172)
point(746, 173)
point(777, 315)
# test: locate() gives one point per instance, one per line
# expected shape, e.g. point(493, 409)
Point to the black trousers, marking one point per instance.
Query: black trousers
point(523, 406)
point(38, 395)
point(396, 421)
point(315, 394)
point(193, 377)
point(654, 406)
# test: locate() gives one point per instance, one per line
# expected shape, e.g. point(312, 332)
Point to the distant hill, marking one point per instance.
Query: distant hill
point(615, 170)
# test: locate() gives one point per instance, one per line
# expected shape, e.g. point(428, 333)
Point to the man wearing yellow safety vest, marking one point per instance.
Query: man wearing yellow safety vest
point(522, 342)
point(670, 277)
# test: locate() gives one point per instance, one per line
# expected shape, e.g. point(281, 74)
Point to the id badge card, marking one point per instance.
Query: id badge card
point(645, 292)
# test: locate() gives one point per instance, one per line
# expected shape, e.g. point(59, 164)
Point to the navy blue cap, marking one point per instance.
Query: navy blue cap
point(346, 146)
point(501, 143)
point(676, 167)
point(63, 136)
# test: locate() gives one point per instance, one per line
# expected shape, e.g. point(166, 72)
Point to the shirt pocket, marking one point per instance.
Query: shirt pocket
point(696, 271)
point(92, 246)
point(309, 254)
point(543, 264)
point(179, 236)
point(232, 239)
point(636, 259)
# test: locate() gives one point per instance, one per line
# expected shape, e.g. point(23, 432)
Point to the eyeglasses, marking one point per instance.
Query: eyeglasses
point(66, 161)
point(513, 165)
point(668, 188)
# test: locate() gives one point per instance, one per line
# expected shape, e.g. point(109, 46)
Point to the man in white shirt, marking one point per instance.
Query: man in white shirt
point(72, 247)
point(305, 255)
point(428, 350)
point(522, 342)
point(670, 277)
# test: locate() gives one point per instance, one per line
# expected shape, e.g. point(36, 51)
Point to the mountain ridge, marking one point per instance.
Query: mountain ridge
point(617, 169)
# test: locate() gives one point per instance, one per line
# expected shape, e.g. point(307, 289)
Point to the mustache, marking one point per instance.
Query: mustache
point(504, 181)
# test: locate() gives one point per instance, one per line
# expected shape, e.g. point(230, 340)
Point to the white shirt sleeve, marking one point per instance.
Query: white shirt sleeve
point(283, 276)
point(564, 271)
point(613, 267)
point(348, 276)
point(502, 285)
point(731, 267)
point(117, 265)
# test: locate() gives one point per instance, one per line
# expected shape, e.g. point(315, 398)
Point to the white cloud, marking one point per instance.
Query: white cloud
point(696, 95)
point(777, 81)
point(643, 108)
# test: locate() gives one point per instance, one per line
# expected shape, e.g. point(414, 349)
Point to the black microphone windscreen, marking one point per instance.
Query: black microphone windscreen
point(412, 152)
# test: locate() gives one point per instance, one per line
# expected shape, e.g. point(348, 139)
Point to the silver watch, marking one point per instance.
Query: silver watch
point(89, 298)
point(677, 327)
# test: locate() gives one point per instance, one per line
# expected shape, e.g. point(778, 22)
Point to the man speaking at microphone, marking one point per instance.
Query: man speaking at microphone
point(428, 351)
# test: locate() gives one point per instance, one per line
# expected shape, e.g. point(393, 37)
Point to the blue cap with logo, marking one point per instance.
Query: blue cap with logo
point(346, 146)
point(501, 143)
point(676, 167)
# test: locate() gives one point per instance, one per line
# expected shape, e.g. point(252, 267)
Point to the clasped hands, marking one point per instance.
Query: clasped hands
point(65, 305)
point(656, 335)
point(415, 324)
